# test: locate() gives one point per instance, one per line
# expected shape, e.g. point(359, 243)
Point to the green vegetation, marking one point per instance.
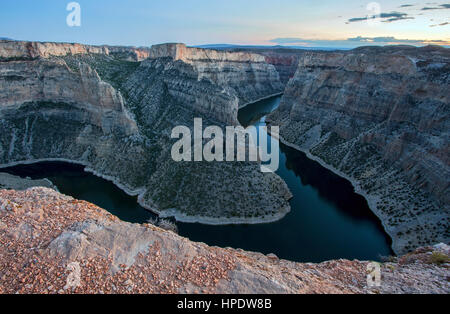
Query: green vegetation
point(439, 258)
point(111, 70)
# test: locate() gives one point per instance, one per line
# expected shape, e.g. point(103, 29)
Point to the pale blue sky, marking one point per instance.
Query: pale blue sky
point(195, 22)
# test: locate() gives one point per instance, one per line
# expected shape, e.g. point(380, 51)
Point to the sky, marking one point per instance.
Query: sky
point(308, 23)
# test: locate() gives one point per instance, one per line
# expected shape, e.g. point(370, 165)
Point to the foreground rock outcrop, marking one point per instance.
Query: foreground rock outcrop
point(90, 106)
point(379, 117)
point(52, 243)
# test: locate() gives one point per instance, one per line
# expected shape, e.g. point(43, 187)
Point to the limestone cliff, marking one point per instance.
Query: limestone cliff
point(81, 104)
point(248, 74)
point(380, 117)
point(23, 50)
point(52, 243)
point(285, 60)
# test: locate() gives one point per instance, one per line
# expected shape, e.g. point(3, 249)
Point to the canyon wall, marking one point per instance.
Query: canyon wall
point(248, 74)
point(380, 117)
point(40, 81)
point(80, 104)
point(31, 50)
point(285, 60)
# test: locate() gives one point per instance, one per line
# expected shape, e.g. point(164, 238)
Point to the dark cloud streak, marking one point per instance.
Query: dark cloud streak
point(442, 24)
point(386, 17)
point(355, 42)
point(440, 7)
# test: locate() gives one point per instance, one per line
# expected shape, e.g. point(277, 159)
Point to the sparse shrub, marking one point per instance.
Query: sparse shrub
point(168, 225)
point(389, 259)
point(439, 258)
point(153, 221)
point(163, 224)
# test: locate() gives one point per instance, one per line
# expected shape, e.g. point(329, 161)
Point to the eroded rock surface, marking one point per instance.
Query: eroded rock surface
point(379, 117)
point(52, 243)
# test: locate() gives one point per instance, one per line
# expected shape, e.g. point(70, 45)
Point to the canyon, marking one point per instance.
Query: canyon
point(379, 116)
point(115, 116)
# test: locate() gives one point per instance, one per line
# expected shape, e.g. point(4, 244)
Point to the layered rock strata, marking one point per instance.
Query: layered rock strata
point(285, 60)
point(248, 74)
point(24, 50)
point(379, 117)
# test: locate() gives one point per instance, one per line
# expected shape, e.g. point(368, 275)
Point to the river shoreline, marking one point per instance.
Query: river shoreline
point(293, 233)
point(371, 200)
point(139, 193)
point(260, 99)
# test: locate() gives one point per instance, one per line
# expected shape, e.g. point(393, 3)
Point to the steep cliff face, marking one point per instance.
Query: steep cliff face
point(379, 116)
point(116, 117)
point(285, 60)
point(23, 50)
point(40, 81)
point(48, 111)
point(47, 238)
point(286, 63)
point(129, 53)
point(248, 74)
point(182, 84)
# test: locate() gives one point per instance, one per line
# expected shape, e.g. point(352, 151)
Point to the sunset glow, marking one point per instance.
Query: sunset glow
point(305, 23)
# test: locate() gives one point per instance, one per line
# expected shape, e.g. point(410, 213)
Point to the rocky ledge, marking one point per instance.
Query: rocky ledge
point(52, 243)
point(379, 116)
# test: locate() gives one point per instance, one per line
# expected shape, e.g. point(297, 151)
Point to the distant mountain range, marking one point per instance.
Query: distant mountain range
point(229, 46)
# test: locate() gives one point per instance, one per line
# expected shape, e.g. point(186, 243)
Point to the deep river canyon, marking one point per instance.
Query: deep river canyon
point(328, 220)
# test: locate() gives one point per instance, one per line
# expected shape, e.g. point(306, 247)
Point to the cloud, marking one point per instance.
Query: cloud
point(385, 17)
point(390, 40)
point(440, 7)
point(406, 5)
point(442, 24)
point(394, 19)
point(355, 42)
